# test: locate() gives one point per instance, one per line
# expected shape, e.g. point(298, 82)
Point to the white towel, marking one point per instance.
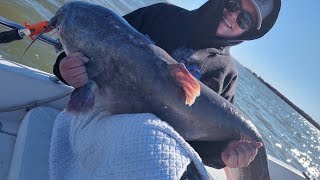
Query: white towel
point(126, 146)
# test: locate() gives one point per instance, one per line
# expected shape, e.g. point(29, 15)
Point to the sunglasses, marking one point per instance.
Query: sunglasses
point(244, 19)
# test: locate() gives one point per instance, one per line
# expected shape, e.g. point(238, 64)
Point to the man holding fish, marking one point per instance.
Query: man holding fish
point(201, 39)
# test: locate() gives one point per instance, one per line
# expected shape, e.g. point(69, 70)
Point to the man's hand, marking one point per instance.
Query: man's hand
point(239, 154)
point(73, 70)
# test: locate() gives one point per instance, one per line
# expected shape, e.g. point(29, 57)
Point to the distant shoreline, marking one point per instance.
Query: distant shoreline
point(300, 111)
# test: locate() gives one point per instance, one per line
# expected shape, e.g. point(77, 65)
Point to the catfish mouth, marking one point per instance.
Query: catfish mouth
point(53, 22)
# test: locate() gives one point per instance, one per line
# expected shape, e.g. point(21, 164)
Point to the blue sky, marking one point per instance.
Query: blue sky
point(288, 56)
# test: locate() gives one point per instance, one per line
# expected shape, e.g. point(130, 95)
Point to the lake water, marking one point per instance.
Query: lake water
point(288, 136)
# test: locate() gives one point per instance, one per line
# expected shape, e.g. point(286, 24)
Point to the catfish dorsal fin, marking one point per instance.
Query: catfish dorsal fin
point(185, 79)
point(82, 99)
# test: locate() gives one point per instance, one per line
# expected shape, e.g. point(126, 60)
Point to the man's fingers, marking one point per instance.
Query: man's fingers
point(74, 60)
point(255, 150)
point(240, 153)
point(78, 84)
point(231, 159)
point(79, 54)
point(70, 63)
point(242, 156)
point(69, 74)
point(76, 71)
point(251, 150)
point(258, 144)
point(80, 80)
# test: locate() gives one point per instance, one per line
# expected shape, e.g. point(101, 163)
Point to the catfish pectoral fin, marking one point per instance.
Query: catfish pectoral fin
point(82, 99)
point(184, 78)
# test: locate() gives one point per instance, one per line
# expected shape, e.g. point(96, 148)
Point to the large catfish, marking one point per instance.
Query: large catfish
point(129, 74)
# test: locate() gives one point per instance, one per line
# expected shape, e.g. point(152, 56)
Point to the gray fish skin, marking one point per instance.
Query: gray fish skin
point(129, 74)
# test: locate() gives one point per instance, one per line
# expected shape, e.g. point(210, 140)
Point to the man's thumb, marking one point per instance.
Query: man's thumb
point(259, 144)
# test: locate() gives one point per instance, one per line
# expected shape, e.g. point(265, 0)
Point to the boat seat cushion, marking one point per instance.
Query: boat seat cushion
point(31, 154)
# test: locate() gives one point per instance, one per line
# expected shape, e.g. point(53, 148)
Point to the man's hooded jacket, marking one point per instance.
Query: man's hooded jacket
point(178, 30)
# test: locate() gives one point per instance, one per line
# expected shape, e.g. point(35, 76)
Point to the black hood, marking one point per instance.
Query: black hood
point(203, 31)
point(190, 29)
point(267, 24)
point(171, 27)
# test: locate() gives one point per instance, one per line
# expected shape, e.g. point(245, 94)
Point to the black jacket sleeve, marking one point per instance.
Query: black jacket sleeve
point(9, 36)
point(56, 69)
